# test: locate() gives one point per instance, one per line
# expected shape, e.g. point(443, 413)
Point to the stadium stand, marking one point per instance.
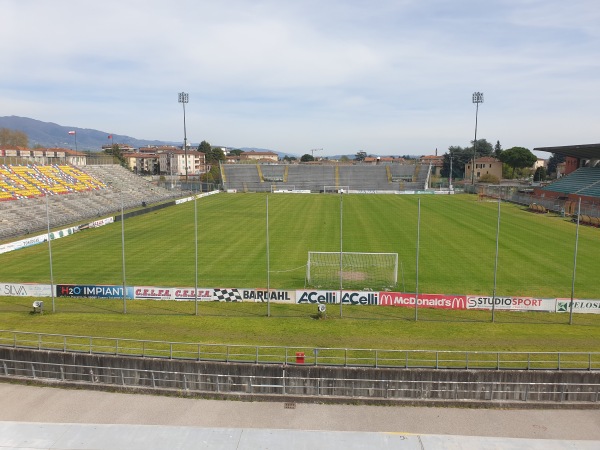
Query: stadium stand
point(273, 173)
point(26, 181)
point(241, 176)
point(583, 181)
point(96, 192)
point(314, 177)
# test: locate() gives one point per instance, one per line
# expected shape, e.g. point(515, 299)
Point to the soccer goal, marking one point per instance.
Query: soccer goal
point(335, 189)
point(357, 271)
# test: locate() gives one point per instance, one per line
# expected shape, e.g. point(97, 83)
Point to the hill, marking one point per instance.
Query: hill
point(49, 134)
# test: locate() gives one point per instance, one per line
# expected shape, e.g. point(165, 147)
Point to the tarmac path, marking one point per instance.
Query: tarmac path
point(34, 404)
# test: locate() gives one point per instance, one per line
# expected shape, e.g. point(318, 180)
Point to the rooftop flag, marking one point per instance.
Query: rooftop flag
point(71, 132)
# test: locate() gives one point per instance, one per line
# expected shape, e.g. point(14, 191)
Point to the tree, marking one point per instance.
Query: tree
point(554, 161)
point(116, 152)
point(518, 158)
point(216, 154)
point(540, 174)
point(14, 138)
point(204, 147)
point(212, 154)
point(360, 156)
point(463, 156)
point(212, 176)
point(484, 148)
point(497, 150)
point(460, 157)
point(236, 152)
point(288, 158)
point(306, 158)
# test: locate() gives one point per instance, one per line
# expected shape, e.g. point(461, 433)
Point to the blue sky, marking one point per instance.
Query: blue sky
point(386, 77)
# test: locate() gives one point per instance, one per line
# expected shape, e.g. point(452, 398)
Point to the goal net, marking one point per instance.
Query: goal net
point(335, 189)
point(357, 270)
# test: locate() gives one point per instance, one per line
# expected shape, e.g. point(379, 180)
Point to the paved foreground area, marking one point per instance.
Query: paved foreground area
point(52, 418)
point(146, 437)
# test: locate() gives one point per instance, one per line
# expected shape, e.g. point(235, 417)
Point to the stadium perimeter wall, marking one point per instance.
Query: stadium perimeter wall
point(299, 382)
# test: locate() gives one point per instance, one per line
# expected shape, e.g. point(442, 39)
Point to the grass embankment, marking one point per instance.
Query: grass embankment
point(295, 326)
point(456, 256)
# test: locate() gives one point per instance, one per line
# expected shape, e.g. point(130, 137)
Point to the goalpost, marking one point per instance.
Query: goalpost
point(358, 270)
point(335, 189)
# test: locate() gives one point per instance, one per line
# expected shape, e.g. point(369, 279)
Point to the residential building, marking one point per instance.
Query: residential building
point(259, 156)
point(436, 162)
point(173, 162)
point(485, 165)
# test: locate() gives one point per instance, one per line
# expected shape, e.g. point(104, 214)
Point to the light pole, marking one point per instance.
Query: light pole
point(50, 253)
point(183, 99)
point(74, 134)
point(477, 99)
point(450, 174)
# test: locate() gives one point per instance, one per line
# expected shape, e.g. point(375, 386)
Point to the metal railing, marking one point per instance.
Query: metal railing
point(347, 357)
point(287, 385)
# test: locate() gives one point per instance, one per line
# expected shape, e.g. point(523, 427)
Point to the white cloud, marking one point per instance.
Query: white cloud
point(386, 77)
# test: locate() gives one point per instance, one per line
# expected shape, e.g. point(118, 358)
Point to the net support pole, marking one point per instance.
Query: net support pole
point(341, 249)
point(417, 268)
point(268, 263)
point(196, 256)
point(575, 264)
point(50, 253)
point(496, 265)
point(123, 253)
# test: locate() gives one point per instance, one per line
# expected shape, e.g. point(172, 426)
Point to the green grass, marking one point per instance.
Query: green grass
point(457, 245)
point(247, 324)
point(457, 250)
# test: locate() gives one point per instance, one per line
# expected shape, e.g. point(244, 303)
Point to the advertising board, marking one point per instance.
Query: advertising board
point(579, 306)
point(271, 295)
point(304, 297)
point(171, 293)
point(97, 223)
point(437, 301)
point(360, 298)
point(92, 291)
point(25, 290)
point(16, 245)
point(35, 240)
point(511, 303)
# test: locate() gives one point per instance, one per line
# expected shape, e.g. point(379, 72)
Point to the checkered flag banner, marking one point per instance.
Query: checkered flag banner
point(227, 295)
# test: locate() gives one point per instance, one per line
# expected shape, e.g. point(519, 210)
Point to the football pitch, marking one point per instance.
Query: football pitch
point(238, 238)
point(457, 247)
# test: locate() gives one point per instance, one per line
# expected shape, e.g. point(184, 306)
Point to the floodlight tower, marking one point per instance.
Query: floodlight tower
point(183, 99)
point(477, 99)
point(312, 151)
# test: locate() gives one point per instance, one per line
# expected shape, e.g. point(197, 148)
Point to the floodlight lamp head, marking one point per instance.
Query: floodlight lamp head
point(183, 97)
point(477, 97)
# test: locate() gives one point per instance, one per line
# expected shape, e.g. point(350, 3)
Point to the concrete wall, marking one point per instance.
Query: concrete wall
point(299, 381)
